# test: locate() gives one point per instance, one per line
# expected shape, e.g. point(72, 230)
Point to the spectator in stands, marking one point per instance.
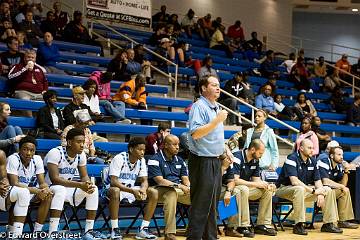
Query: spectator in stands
point(323, 137)
point(338, 102)
point(5, 10)
point(166, 50)
point(49, 24)
point(134, 67)
point(239, 88)
point(33, 32)
point(289, 63)
point(7, 29)
point(174, 21)
point(207, 69)
point(49, 118)
point(320, 68)
point(160, 33)
point(254, 42)
point(305, 106)
point(76, 32)
point(21, 13)
point(300, 181)
point(168, 174)
point(300, 76)
point(188, 23)
point(332, 81)
point(217, 41)
point(83, 121)
point(9, 134)
point(124, 169)
point(91, 98)
point(155, 141)
point(28, 79)
point(48, 54)
point(355, 69)
point(250, 187)
point(161, 17)
point(170, 34)
point(268, 67)
point(344, 65)
point(325, 154)
point(118, 65)
point(61, 17)
point(284, 112)
point(335, 175)
point(307, 133)
point(353, 113)
point(270, 158)
point(133, 93)
point(272, 82)
point(265, 101)
point(236, 32)
point(77, 103)
point(205, 27)
point(102, 91)
point(23, 42)
point(36, 8)
point(11, 57)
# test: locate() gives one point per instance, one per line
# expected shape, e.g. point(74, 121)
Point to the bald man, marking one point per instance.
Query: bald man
point(168, 174)
point(300, 181)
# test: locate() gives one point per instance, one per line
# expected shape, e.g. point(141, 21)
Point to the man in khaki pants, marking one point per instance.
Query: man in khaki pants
point(334, 175)
point(168, 174)
point(296, 183)
point(251, 187)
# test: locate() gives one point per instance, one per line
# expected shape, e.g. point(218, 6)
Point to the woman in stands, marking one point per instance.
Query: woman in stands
point(306, 132)
point(305, 107)
point(9, 135)
point(324, 138)
point(23, 42)
point(118, 65)
point(270, 158)
point(49, 118)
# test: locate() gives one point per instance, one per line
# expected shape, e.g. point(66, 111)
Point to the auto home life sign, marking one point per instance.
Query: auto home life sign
point(136, 12)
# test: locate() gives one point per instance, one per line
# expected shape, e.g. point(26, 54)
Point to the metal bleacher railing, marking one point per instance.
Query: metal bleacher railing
point(253, 109)
point(133, 42)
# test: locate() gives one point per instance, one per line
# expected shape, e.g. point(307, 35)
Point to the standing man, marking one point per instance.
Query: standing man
point(206, 144)
point(334, 175)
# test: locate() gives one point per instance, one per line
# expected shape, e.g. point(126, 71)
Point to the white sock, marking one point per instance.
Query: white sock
point(144, 224)
point(53, 224)
point(114, 223)
point(89, 225)
point(38, 227)
point(18, 229)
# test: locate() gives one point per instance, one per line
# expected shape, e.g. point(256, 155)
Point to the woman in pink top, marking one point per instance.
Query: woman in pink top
point(306, 132)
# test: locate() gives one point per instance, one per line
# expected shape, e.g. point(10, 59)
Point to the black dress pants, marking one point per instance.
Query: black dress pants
point(205, 179)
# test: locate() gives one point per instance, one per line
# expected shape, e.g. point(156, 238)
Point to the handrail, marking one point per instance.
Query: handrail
point(147, 49)
point(249, 121)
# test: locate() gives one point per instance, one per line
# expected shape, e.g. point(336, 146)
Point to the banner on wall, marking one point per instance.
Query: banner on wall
point(135, 12)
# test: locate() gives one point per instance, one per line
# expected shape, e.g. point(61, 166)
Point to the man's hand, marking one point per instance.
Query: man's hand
point(271, 187)
point(320, 202)
point(185, 189)
point(87, 187)
point(261, 184)
point(143, 194)
point(320, 191)
point(137, 193)
point(4, 187)
point(344, 189)
point(227, 197)
point(44, 193)
point(18, 138)
point(221, 116)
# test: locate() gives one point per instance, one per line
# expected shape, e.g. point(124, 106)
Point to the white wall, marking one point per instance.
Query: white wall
point(263, 16)
point(341, 29)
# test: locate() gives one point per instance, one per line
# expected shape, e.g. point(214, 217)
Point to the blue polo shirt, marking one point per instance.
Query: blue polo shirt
point(228, 175)
point(212, 145)
point(307, 172)
point(159, 165)
point(328, 171)
point(246, 170)
point(264, 102)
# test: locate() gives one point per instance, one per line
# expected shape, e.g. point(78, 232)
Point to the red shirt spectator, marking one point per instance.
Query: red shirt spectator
point(236, 31)
point(155, 141)
point(343, 64)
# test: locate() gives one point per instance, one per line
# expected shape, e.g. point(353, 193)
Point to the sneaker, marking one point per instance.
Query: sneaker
point(124, 121)
point(346, 224)
point(116, 234)
point(330, 228)
point(145, 234)
point(93, 235)
point(299, 229)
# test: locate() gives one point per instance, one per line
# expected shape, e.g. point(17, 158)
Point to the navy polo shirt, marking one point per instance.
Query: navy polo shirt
point(228, 175)
point(307, 172)
point(327, 171)
point(246, 170)
point(172, 170)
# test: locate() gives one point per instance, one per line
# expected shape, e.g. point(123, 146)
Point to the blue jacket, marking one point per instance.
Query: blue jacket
point(48, 55)
point(271, 154)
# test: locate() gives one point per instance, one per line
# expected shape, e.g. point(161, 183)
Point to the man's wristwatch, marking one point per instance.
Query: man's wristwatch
point(175, 185)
